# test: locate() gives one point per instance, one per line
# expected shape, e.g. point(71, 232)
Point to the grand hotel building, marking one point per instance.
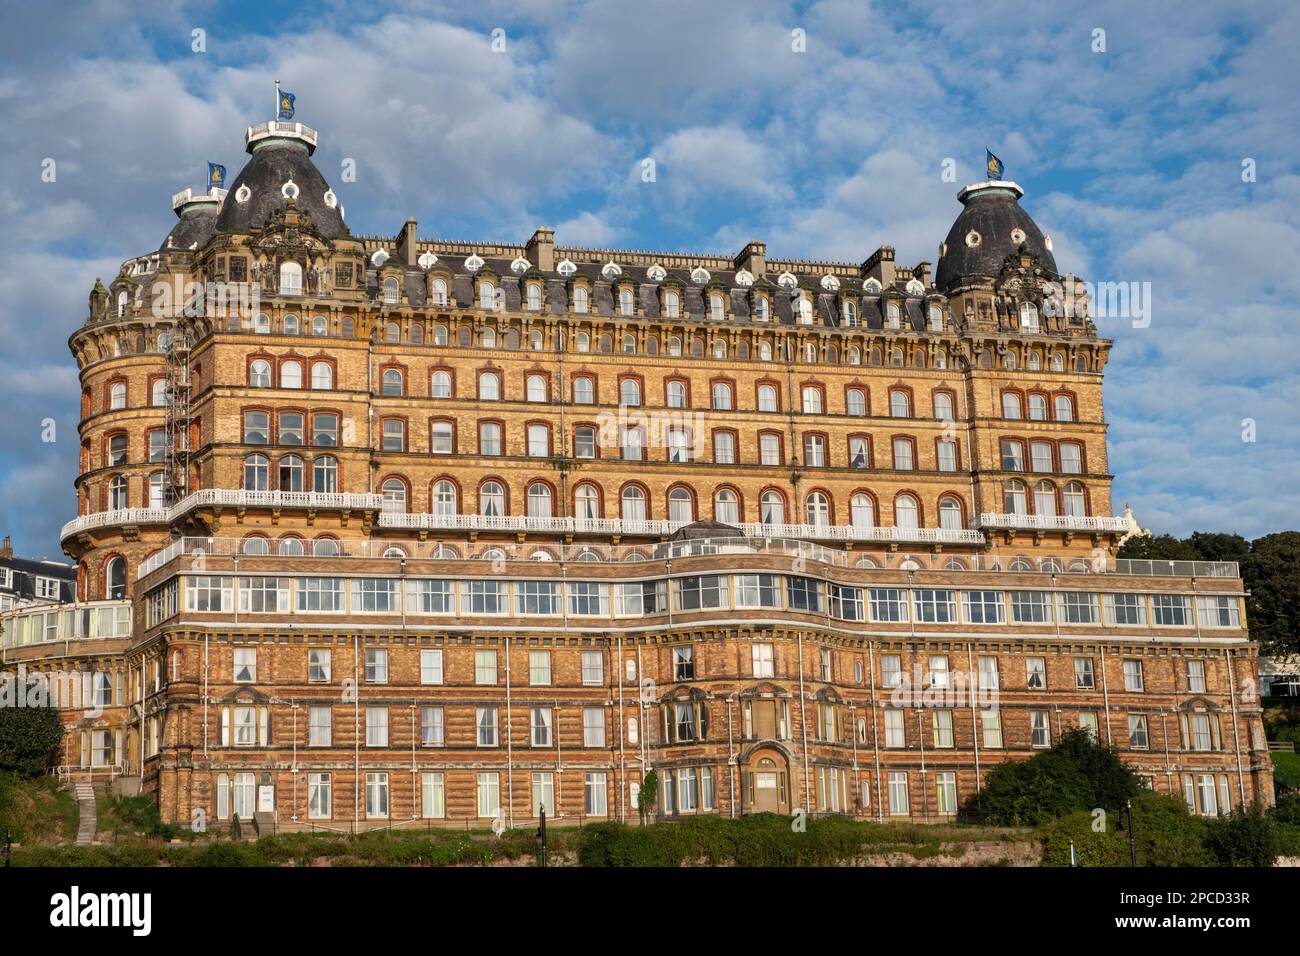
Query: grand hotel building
point(411, 530)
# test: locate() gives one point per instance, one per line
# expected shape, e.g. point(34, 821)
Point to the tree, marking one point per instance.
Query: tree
point(1076, 774)
point(29, 736)
point(649, 795)
point(1246, 837)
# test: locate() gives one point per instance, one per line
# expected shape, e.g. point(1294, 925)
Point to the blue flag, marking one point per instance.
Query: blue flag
point(285, 110)
point(216, 176)
point(993, 165)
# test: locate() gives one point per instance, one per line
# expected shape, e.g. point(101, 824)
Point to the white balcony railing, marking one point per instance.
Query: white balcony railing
point(225, 498)
point(1053, 522)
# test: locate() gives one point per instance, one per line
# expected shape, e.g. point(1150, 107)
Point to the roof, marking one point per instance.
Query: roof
point(259, 190)
point(982, 236)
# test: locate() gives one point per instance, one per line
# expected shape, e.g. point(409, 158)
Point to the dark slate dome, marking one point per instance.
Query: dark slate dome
point(198, 219)
point(988, 230)
point(278, 160)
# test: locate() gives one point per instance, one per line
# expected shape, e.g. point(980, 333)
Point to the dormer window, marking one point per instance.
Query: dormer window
point(566, 268)
point(487, 295)
point(850, 314)
point(700, 275)
point(830, 283)
point(390, 291)
point(122, 299)
point(611, 270)
point(744, 278)
point(625, 302)
point(805, 310)
point(936, 319)
point(534, 296)
point(520, 265)
point(891, 315)
point(672, 304)
point(715, 307)
point(761, 309)
point(439, 293)
point(581, 300)
point(656, 273)
point(290, 278)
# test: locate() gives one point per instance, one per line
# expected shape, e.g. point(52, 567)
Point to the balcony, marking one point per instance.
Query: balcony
point(1085, 523)
point(222, 498)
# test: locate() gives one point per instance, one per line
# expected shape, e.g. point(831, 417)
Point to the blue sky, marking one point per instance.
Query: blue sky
point(1131, 159)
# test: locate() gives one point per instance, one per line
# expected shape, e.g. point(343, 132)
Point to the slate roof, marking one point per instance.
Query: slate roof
point(270, 167)
point(993, 213)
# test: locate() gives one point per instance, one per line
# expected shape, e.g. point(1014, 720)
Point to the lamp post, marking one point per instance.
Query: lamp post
point(1132, 844)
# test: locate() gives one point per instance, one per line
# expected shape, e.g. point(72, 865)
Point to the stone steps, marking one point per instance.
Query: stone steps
point(87, 824)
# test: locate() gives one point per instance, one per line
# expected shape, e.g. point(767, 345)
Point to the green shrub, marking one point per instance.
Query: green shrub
point(1246, 837)
point(29, 737)
point(1286, 771)
point(1164, 834)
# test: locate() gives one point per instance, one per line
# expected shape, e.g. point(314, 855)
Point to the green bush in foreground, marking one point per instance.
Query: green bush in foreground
point(1246, 837)
point(1164, 833)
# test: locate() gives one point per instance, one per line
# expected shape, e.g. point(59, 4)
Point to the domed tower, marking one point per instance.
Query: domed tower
point(123, 488)
point(998, 269)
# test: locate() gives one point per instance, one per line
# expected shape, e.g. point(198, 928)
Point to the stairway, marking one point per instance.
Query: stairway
point(86, 826)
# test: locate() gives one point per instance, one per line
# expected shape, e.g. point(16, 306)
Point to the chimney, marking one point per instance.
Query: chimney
point(880, 265)
point(6, 549)
point(540, 250)
point(406, 250)
point(753, 257)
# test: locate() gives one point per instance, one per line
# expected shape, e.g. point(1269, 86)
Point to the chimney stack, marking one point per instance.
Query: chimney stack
point(6, 549)
point(540, 250)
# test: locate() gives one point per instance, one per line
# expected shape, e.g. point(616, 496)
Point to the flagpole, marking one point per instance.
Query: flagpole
point(277, 101)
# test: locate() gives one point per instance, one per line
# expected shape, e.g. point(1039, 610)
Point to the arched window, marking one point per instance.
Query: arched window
point(392, 332)
point(1034, 362)
point(257, 473)
point(1029, 316)
point(440, 335)
point(122, 301)
point(625, 302)
point(322, 375)
point(1014, 497)
point(1010, 405)
point(586, 502)
point(159, 396)
point(440, 384)
point(680, 506)
point(854, 355)
point(943, 406)
point(812, 400)
point(721, 396)
point(117, 493)
point(117, 395)
point(672, 304)
point(583, 341)
point(891, 315)
point(765, 351)
point(291, 473)
point(862, 512)
point(719, 348)
point(805, 310)
point(850, 313)
point(818, 509)
point(492, 499)
point(325, 548)
point(1045, 498)
point(487, 295)
point(394, 491)
point(325, 474)
point(537, 388)
point(259, 374)
point(290, 547)
point(488, 338)
point(392, 382)
point(856, 402)
point(115, 579)
point(581, 302)
point(290, 278)
point(584, 391)
point(761, 309)
point(767, 401)
point(439, 293)
point(291, 375)
point(905, 512)
point(290, 323)
point(392, 293)
point(674, 345)
point(715, 307)
point(949, 514)
point(444, 498)
point(534, 296)
point(629, 392)
point(535, 341)
point(539, 501)
point(896, 358)
point(1064, 408)
point(489, 386)
point(726, 507)
point(633, 504)
point(1076, 505)
point(900, 404)
point(1037, 408)
point(772, 508)
point(629, 344)
point(810, 352)
point(319, 325)
point(676, 394)
point(1058, 362)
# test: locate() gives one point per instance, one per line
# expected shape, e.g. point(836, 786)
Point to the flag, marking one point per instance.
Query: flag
point(216, 176)
point(992, 164)
point(285, 109)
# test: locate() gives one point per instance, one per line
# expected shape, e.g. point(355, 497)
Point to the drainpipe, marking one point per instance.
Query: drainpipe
point(622, 735)
point(510, 752)
point(803, 719)
point(1105, 694)
point(875, 747)
point(205, 693)
point(974, 715)
point(356, 732)
point(731, 757)
point(1236, 729)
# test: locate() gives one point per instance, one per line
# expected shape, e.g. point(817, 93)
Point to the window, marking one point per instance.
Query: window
point(1011, 405)
point(376, 795)
point(1037, 408)
point(812, 400)
point(581, 300)
point(1079, 607)
point(320, 726)
point(1218, 612)
point(322, 375)
point(1083, 676)
point(1132, 675)
point(259, 374)
point(900, 404)
point(769, 449)
point(629, 392)
point(595, 795)
point(489, 386)
point(539, 441)
point(721, 395)
point(489, 794)
point(1064, 408)
point(584, 391)
point(943, 406)
point(1045, 498)
point(245, 665)
point(1040, 729)
point(680, 506)
point(676, 394)
point(117, 395)
point(489, 438)
point(1071, 458)
point(1036, 673)
point(394, 435)
point(905, 512)
point(444, 498)
point(1196, 677)
point(903, 454)
point(814, 451)
point(633, 504)
point(1169, 610)
point(762, 658)
point(772, 508)
point(683, 663)
point(1125, 609)
point(947, 454)
point(485, 719)
point(325, 472)
point(818, 510)
point(625, 302)
point(899, 804)
point(1015, 497)
point(586, 500)
point(1031, 607)
point(539, 501)
point(485, 667)
point(767, 399)
point(724, 449)
point(593, 726)
point(1138, 738)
